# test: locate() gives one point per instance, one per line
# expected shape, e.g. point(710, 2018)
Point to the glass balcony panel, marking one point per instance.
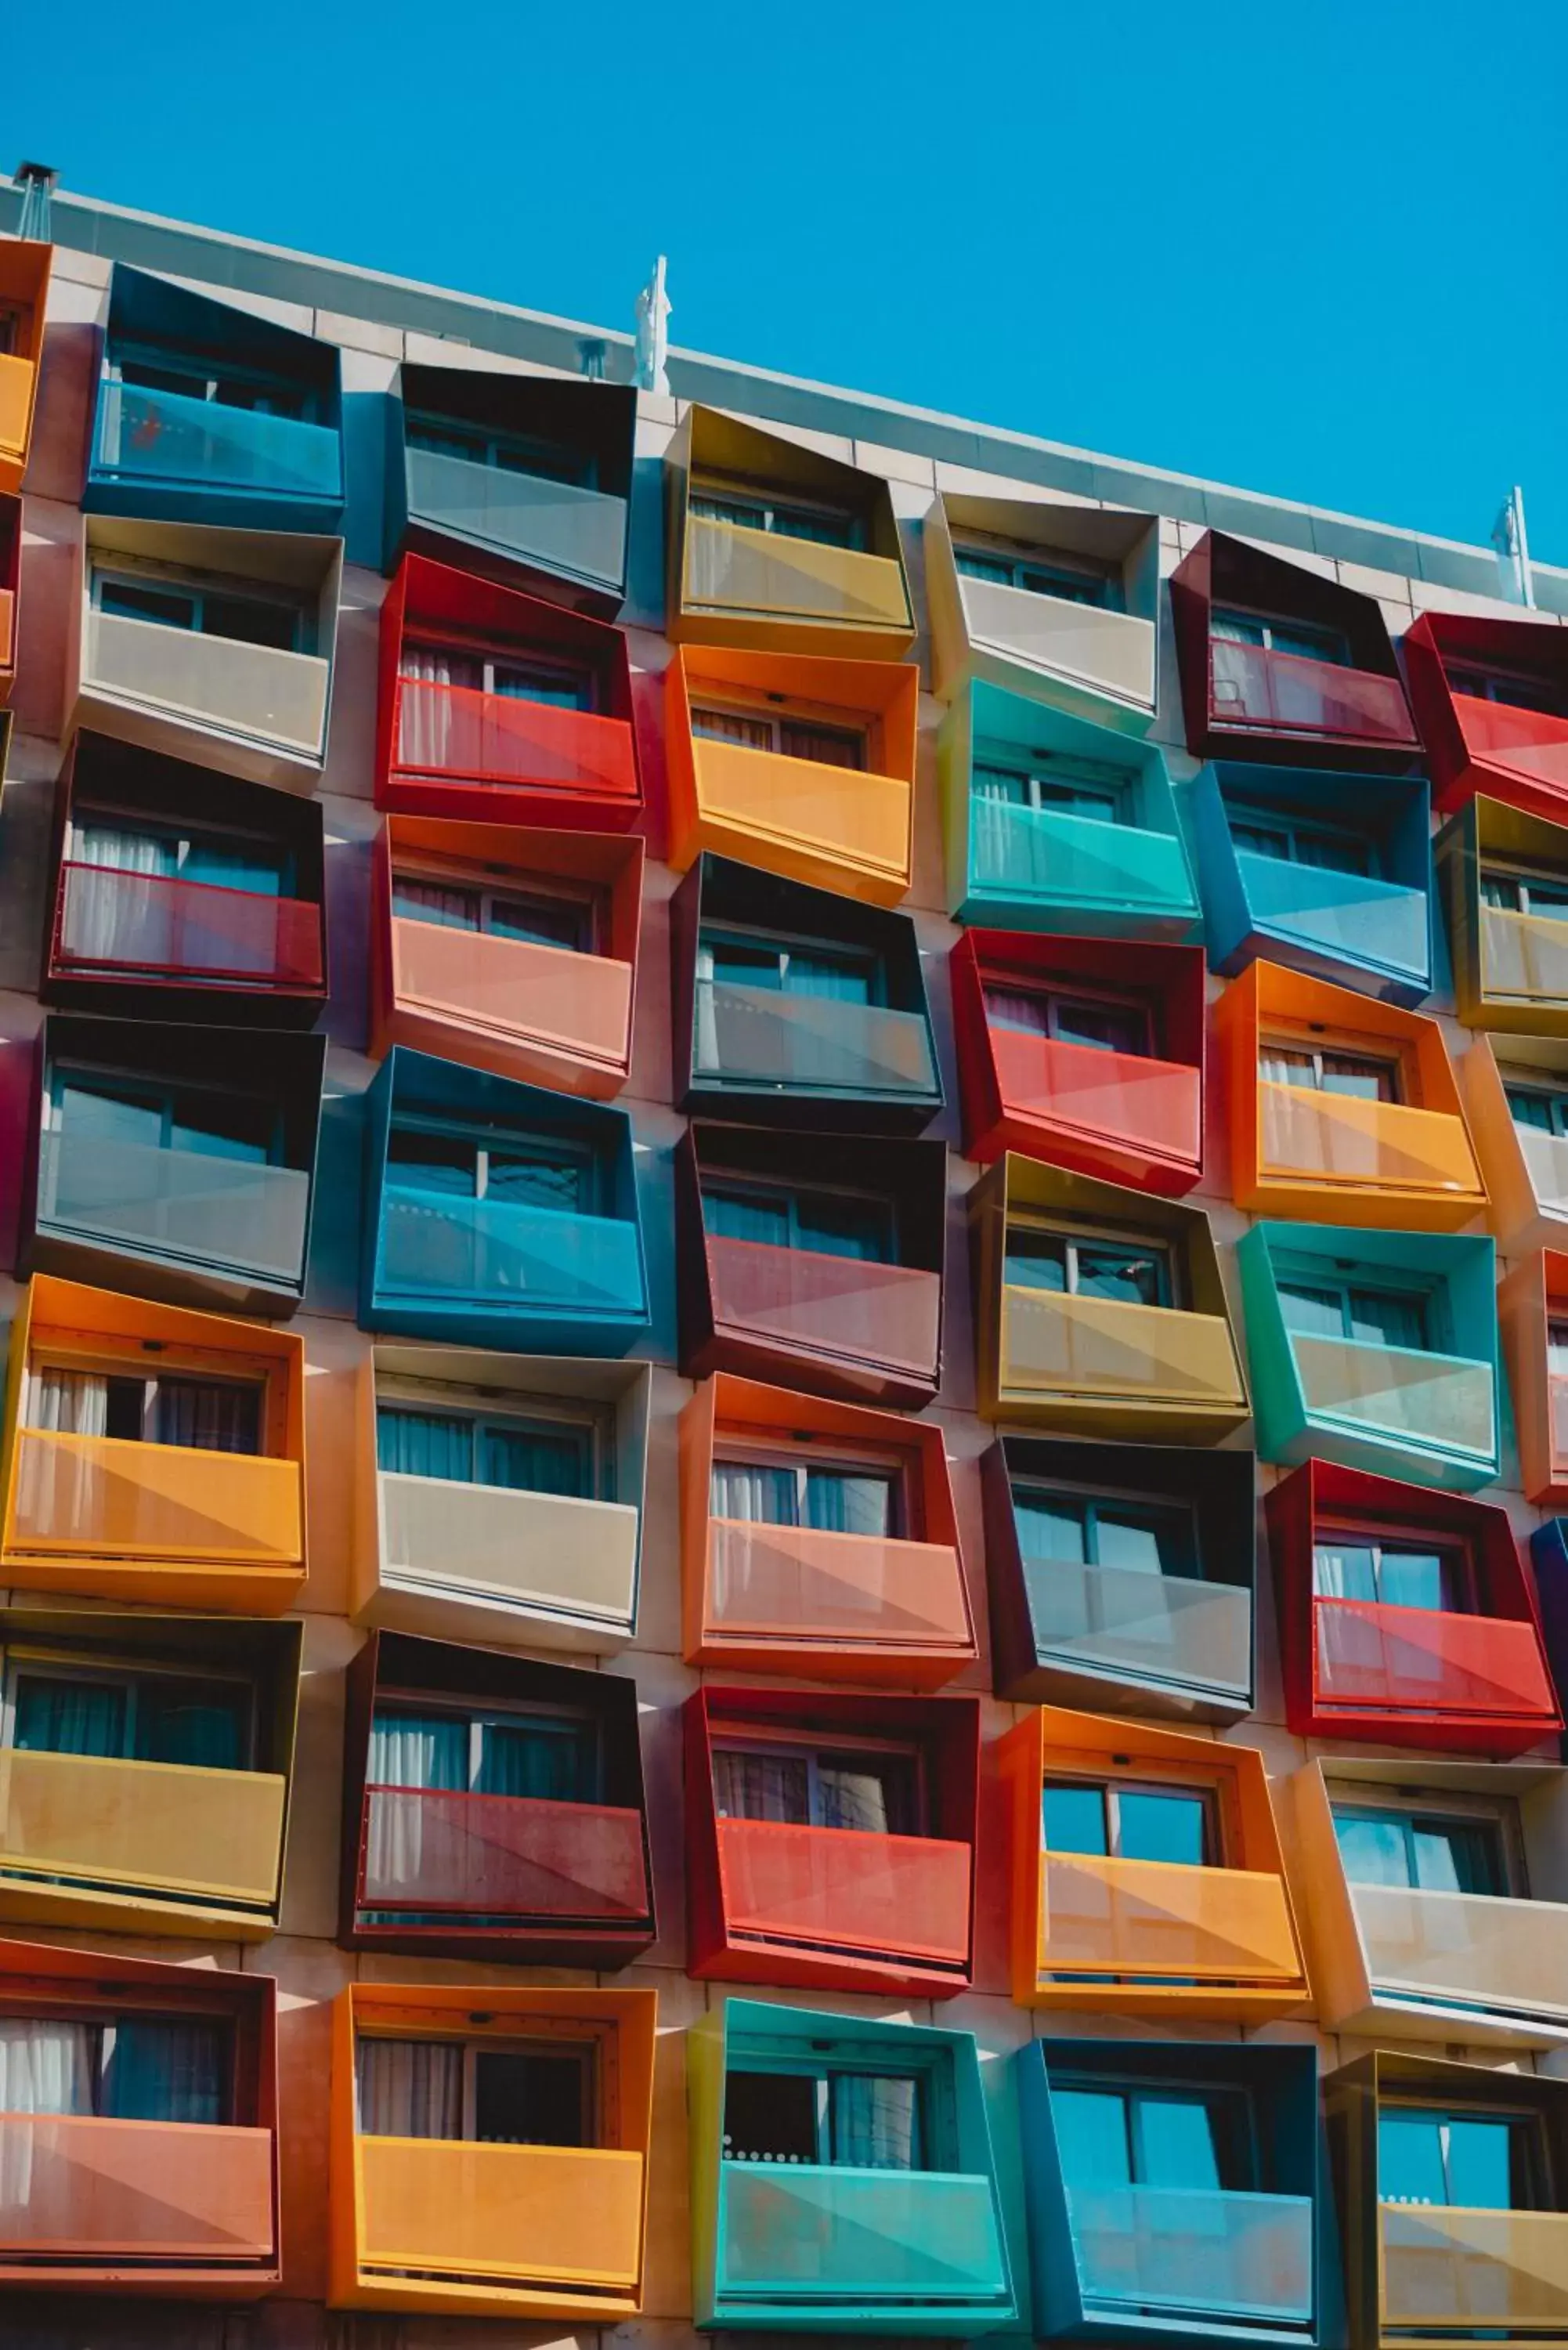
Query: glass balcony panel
point(86, 2187)
point(8, 626)
point(907, 1896)
point(15, 403)
point(491, 738)
point(520, 2214)
point(1469, 1950)
point(1532, 741)
point(1370, 1145)
point(1157, 1104)
point(110, 1498)
point(1164, 1628)
point(813, 2232)
point(1158, 1918)
point(139, 922)
point(156, 1826)
point(754, 1034)
point(552, 522)
point(164, 438)
point(789, 1584)
point(884, 1314)
point(549, 1551)
point(501, 1855)
point(1111, 652)
point(1251, 686)
point(731, 569)
point(1557, 1388)
point(861, 818)
point(1545, 1158)
point(1452, 2268)
point(251, 690)
point(1436, 1399)
point(515, 987)
point(1371, 1654)
point(1072, 861)
point(1223, 2254)
point(1105, 1346)
point(1523, 955)
point(1345, 914)
point(232, 1215)
point(501, 1250)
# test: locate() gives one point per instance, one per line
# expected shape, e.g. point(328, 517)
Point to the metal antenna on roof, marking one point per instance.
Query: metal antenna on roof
point(38, 182)
point(652, 333)
point(1513, 550)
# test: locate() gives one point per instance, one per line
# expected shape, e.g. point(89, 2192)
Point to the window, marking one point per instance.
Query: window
point(1538, 1110)
point(1557, 1349)
point(143, 2068)
point(1100, 1024)
point(239, 613)
point(1132, 1273)
point(861, 1785)
point(540, 1754)
point(863, 2120)
point(1303, 639)
point(1392, 1574)
point(1325, 1308)
point(1360, 1076)
point(1053, 785)
point(506, 452)
point(204, 1414)
point(744, 510)
point(543, 1454)
point(516, 1174)
point(103, 1113)
point(839, 1500)
point(155, 369)
point(168, 853)
point(1477, 2161)
point(1522, 894)
point(506, 2093)
point(1195, 2140)
point(1519, 689)
point(564, 684)
point(1126, 1823)
point(1291, 839)
point(1139, 1537)
point(804, 967)
point(1421, 1850)
point(827, 1224)
point(1069, 582)
point(790, 738)
point(538, 917)
point(130, 1712)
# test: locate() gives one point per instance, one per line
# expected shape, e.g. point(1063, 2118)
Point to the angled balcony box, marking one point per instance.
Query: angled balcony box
point(493, 1809)
point(773, 547)
point(1405, 1616)
point(1281, 665)
point(495, 707)
point(842, 2177)
point(797, 1007)
point(1100, 1310)
point(819, 1539)
point(1327, 874)
point(1052, 824)
point(1376, 1350)
point(805, 767)
point(139, 2155)
point(499, 1497)
point(489, 2161)
point(508, 949)
point(498, 1214)
point(216, 645)
point(822, 1269)
point(145, 1771)
point(1515, 1089)
point(1148, 1874)
point(10, 592)
point(24, 298)
point(1089, 1052)
point(1162, 2213)
point(831, 1840)
point(1532, 1314)
point(1504, 880)
point(1436, 1910)
point(184, 895)
point(153, 1455)
point(1454, 2222)
point(523, 478)
point(1121, 1577)
point(1343, 1109)
point(1491, 697)
point(208, 414)
point(180, 1162)
point(1057, 602)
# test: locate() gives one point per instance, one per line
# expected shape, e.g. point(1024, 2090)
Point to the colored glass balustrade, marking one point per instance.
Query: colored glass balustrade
point(113, 920)
point(1195, 2251)
point(734, 572)
point(555, 526)
point(570, 2216)
point(1525, 956)
point(1372, 1658)
point(779, 1588)
point(87, 2191)
point(552, 1554)
point(1166, 1629)
point(1343, 914)
point(1058, 861)
point(489, 1252)
point(1161, 1921)
point(191, 1206)
point(275, 698)
point(1152, 1105)
point(10, 590)
point(25, 266)
point(514, 988)
point(158, 438)
point(1464, 2274)
point(1108, 1347)
point(214, 1836)
point(497, 744)
point(1492, 699)
point(472, 1855)
point(1443, 1401)
point(755, 1036)
point(1251, 685)
point(836, 1889)
point(886, 1314)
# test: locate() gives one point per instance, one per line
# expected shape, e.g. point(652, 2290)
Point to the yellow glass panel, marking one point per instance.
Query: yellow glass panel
point(1337, 1139)
point(1523, 954)
point(159, 1826)
point(15, 402)
point(839, 812)
point(733, 570)
point(512, 988)
point(1443, 2266)
point(1158, 1918)
point(1105, 1346)
point(1509, 1956)
point(566, 2215)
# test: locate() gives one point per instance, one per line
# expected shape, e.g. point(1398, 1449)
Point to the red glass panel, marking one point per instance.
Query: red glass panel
point(1532, 742)
point(500, 1855)
point(1251, 686)
point(489, 738)
point(1371, 1656)
point(111, 920)
point(884, 1314)
point(1155, 1103)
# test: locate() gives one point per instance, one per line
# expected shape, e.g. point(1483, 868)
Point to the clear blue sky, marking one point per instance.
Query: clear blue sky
point(1317, 251)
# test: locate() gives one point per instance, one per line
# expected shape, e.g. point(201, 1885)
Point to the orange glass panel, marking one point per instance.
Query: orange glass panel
point(841, 1306)
point(7, 626)
point(582, 1002)
point(111, 920)
point(792, 1583)
point(1532, 742)
point(102, 1495)
point(1251, 685)
point(1369, 1654)
point(81, 2187)
point(845, 1888)
point(15, 403)
point(1339, 1140)
point(1156, 1918)
point(834, 811)
point(1105, 1346)
point(1155, 1104)
point(502, 1856)
point(489, 738)
point(1462, 2269)
point(566, 2215)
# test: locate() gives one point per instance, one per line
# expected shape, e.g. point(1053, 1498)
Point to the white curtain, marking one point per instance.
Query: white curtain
point(111, 916)
point(753, 1494)
point(68, 1403)
point(433, 724)
point(45, 2068)
point(409, 2088)
point(408, 1750)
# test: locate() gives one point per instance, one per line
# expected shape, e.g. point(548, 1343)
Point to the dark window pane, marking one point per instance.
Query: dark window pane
point(769, 2117)
point(520, 2098)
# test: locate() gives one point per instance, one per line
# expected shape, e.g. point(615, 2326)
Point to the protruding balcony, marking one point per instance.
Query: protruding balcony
point(1516, 1093)
point(907, 2241)
point(1503, 874)
point(1376, 1350)
point(24, 292)
point(772, 546)
point(1281, 664)
point(1052, 824)
point(523, 478)
point(511, 950)
point(1532, 1314)
point(1087, 1051)
point(492, 2209)
point(1492, 699)
point(207, 414)
point(10, 590)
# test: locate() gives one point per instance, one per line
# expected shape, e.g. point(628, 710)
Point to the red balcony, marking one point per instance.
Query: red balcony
point(1492, 699)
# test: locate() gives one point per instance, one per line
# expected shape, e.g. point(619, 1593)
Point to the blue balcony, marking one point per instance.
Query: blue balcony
point(1052, 823)
point(497, 1214)
point(1329, 874)
point(207, 415)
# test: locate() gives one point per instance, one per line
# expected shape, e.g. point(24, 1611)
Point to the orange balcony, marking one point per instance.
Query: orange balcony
point(24, 288)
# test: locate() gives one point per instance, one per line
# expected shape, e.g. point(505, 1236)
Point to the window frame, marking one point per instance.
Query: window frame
point(1092, 1499)
point(124, 1674)
point(1167, 1254)
point(1292, 829)
point(715, 489)
point(593, 2046)
point(1209, 2096)
point(486, 887)
point(1302, 1273)
point(1059, 999)
point(493, 1714)
point(1489, 675)
point(567, 1151)
point(497, 442)
point(491, 656)
point(1457, 1554)
point(935, 2098)
point(199, 588)
point(1207, 1795)
point(1451, 1809)
point(157, 1092)
point(1525, 2124)
point(778, 723)
point(1267, 621)
point(790, 1195)
point(1393, 1066)
point(433, 1400)
point(1088, 778)
point(175, 360)
point(1031, 561)
point(904, 1517)
point(781, 1742)
point(737, 935)
point(186, 839)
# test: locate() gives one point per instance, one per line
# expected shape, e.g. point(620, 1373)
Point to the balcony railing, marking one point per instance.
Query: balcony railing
point(1557, 1392)
point(85, 2189)
point(1370, 1145)
point(256, 690)
point(734, 571)
point(232, 1215)
point(883, 1313)
point(211, 1835)
point(829, 2234)
point(1464, 1949)
point(15, 403)
point(1057, 1344)
point(755, 1036)
point(1373, 1654)
point(1223, 2254)
point(847, 816)
point(1075, 860)
point(546, 1553)
point(787, 1585)
point(1523, 955)
point(1251, 686)
point(1110, 652)
point(554, 524)
point(1439, 1401)
point(108, 1497)
point(1545, 1158)
point(1345, 914)
point(1533, 742)
point(844, 1889)
point(502, 1252)
point(1163, 1627)
point(165, 438)
point(1162, 1921)
point(509, 2214)
point(512, 988)
point(7, 626)
point(465, 736)
point(115, 922)
point(1157, 1104)
point(429, 1849)
point(1464, 2270)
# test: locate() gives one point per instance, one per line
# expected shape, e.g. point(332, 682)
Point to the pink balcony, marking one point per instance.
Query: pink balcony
point(437, 1851)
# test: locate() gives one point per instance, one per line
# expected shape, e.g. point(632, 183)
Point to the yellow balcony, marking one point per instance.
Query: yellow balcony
point(755, 577)
point(1067, 1348)
point(566, 2218)
point(1450, 2272)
